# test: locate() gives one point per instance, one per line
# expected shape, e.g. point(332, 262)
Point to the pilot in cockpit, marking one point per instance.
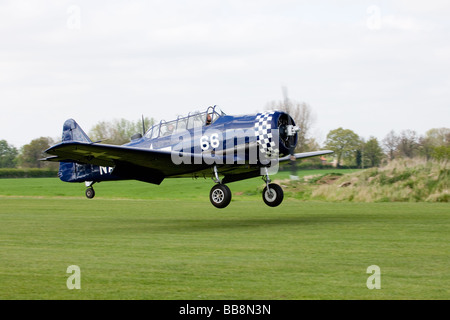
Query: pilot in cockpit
point(169, 131)
point(208, 119)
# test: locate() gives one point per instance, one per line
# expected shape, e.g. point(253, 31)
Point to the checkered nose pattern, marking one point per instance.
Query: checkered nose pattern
point(264, 134)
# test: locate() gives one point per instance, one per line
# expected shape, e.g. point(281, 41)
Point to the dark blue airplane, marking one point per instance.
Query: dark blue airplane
point(202, 144)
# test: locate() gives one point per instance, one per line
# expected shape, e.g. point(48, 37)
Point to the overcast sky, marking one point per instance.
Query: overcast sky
point(370, 66)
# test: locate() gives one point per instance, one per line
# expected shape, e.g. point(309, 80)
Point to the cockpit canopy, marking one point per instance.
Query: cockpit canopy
point(192, 120)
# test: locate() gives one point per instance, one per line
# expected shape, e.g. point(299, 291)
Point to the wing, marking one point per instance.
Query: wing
point(121, 157)
point(154, 165)
point(150, 165)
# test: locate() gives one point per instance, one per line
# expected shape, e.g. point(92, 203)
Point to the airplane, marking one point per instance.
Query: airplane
point(201, 144)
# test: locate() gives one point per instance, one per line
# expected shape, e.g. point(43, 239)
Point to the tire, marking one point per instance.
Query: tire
point(274, 197)
point(90, 193)
point(220, 196)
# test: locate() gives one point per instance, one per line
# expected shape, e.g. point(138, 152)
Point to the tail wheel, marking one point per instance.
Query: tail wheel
point(90, 193)
point(220, 196)
point(273, 196)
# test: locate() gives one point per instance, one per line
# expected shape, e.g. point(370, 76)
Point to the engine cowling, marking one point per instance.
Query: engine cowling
point(276, 133)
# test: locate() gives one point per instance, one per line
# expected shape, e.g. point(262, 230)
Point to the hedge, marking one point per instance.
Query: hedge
point(28, 173)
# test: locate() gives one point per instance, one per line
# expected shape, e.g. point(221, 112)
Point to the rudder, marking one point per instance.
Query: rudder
point(73, 132)
point(70, 171)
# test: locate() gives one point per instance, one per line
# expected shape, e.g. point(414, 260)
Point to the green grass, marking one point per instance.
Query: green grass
point(138, 241)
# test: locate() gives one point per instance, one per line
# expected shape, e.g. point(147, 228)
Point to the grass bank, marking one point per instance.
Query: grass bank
point(400, 181)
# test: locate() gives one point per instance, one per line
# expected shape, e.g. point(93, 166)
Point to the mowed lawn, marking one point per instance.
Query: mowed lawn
point(138, 241)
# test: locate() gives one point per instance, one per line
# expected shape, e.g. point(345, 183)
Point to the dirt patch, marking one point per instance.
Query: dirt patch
point(329, 179)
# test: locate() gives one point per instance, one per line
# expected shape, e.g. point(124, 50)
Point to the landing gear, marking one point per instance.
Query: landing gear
point(272, 194)
point(220, 194)
point(90, 193)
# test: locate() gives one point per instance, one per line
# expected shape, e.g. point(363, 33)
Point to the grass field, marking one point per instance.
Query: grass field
point(139, 241)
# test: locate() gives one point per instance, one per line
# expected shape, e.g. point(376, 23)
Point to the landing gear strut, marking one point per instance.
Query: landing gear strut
point(90, 193)
point(272, 194)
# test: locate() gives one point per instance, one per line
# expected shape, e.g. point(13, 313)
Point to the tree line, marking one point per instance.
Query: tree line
point(117, 132)
point(352, 150)
point(349, 148)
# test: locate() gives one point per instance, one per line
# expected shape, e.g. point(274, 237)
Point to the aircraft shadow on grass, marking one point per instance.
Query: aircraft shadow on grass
point(185, 226)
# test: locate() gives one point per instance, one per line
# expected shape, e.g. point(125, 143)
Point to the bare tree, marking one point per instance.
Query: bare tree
point(303, 117)
point(390, 143)
point(408, 143)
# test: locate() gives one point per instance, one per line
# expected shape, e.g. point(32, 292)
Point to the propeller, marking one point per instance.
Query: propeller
point(291, 134)
point(143, 126)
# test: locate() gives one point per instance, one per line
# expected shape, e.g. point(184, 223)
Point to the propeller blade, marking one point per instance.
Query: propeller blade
point(291, 152)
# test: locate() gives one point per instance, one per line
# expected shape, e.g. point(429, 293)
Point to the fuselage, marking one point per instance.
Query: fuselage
point(226, 140)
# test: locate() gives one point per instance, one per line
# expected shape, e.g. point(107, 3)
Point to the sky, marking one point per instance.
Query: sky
point(369, 66)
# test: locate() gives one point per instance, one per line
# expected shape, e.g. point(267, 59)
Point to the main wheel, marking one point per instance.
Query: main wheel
point(274, 196)
point(220, 196)
point(90, 193)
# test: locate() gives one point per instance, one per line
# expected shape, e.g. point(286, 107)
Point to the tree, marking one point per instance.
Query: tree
point(119, 131)
point(8, 155)
point(408, 143)
point(373, 152)
point(344, 143)
point(439, 136)
point(390, 143)
point(436, 144)
point(433, 140)
point(359, 158)
point(426, 147)
point(32, 152)
point(441, 153)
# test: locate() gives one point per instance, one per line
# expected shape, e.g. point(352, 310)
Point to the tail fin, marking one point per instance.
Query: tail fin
point(73, 132)
point(71, 171)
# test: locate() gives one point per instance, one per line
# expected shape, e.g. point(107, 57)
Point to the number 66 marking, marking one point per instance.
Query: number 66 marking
point(205, 141)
